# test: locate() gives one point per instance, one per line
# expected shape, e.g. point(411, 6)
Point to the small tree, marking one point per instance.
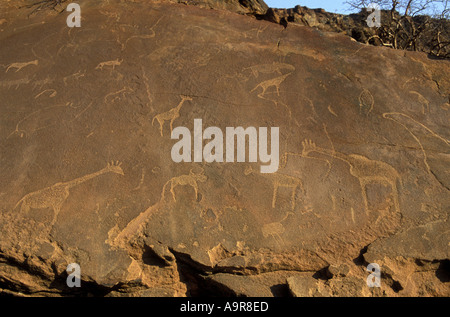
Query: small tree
point(413, 24)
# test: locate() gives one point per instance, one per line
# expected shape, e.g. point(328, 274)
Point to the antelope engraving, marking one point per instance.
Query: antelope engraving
point(366, 170)
point(191, 179)
point(274, 82)
point(19, 66)
point(281, 180)
point(113, 63)
point(171, 115)
point(55, 195)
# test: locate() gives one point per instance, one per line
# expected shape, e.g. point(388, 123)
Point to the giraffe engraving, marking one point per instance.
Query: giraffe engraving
point(366, 170)
point(171, 115)
point(55, 195)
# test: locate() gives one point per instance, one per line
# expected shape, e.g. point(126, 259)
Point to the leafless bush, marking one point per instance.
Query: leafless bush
point(419, 25)
point(45, 4)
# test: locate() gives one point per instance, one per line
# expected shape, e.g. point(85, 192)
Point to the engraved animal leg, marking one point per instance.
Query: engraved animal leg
point(363, 184)
point(395, 195)
point(171, 123)
point(280, 240)
point(172, 186)
point(25, 208)
point(196, 190)
point(261, 95)
point(56, 210)
point(393, 184)
point(161, 125)
point(274, 198)
point(293, 198)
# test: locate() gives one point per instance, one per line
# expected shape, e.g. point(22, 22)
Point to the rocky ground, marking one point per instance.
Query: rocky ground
point(87, 174)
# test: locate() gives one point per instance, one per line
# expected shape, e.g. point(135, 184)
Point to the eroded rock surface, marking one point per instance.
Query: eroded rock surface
point(87, 171)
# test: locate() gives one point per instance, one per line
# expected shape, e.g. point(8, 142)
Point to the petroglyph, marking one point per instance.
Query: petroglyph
point(333, 201)
point(422, 100)
point(143, 36)
point(151, 35)
point(21, 132)
point(352, 214)
point(191, 179)
point(42, 82)
point(111, 15)
point(275, 230)
point(17, 82)
point(332, 111)
point(55, 195)
point(19, 66)
point(284, 160)
point(366, 102)
point(282, 180)
point(82, 111)
point(366, 170)
point(112, 63)
point(274, 82)
point(389, 115)
point(52, 91)
point(76, 76)
point(171, 115)
point(269, 68)
point(117, 95)
point(147, 87)
point(407, 123)
point(141, 181)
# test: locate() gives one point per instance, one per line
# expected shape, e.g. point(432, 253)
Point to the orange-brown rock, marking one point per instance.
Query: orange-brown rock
point(88, 179)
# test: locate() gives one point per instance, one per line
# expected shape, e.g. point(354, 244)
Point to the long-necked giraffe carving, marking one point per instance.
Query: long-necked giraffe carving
point(55, 195)
point(171, 115)
point(366, 170)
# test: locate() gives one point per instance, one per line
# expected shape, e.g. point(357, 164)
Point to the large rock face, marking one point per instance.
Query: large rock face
point(87, 174)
